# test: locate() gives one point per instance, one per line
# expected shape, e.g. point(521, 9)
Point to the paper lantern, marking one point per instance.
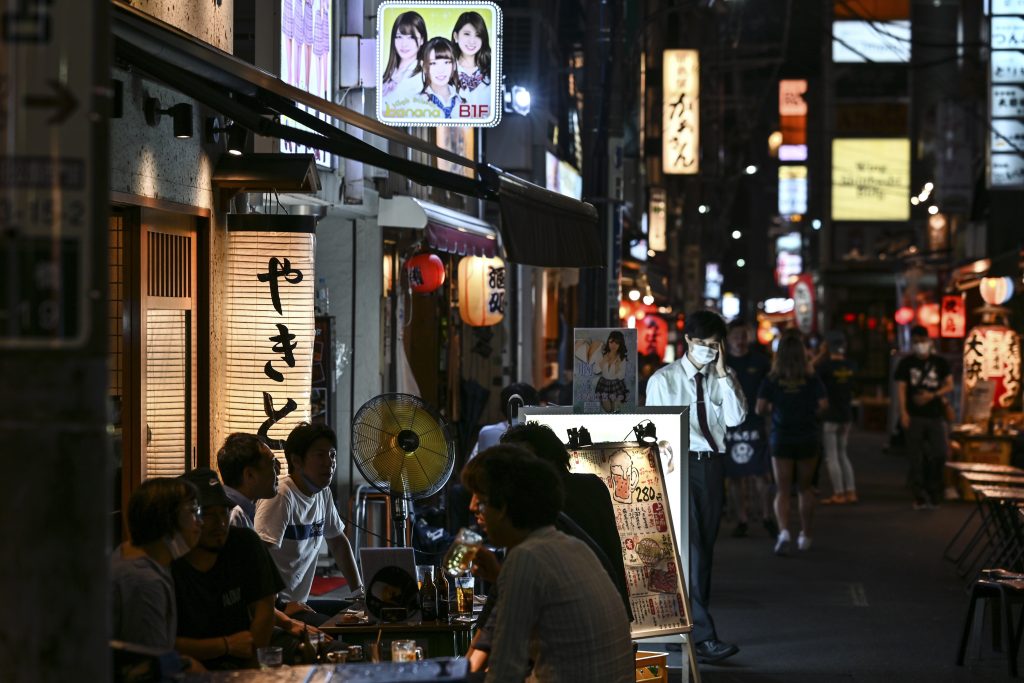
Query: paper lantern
point(929, 315)
point(992, 353)
point(904, 315)
point(652, 336)
point(481, 290)
point(425, 272)
point(270, 326)
point(996, 291)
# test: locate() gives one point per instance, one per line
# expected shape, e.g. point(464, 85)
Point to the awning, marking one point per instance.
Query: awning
point(539, 227)
point(444, 229)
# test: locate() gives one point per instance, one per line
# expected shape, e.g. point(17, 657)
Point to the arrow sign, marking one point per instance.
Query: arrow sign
point(62, 101)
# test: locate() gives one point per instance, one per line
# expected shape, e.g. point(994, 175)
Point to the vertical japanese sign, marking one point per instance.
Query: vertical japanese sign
point(953, 317)
point(680, 125)
point(657, 219)
point(46, 171)
point(1006, 95)
point(270, 327)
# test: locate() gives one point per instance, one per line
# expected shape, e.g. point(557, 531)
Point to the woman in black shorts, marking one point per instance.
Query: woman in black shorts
point(794, 396)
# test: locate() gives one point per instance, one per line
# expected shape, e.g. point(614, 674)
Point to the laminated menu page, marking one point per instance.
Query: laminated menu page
point(636, 485)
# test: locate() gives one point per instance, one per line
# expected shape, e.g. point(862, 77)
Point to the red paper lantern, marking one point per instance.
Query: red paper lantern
point(904, 315)
point(426, 273)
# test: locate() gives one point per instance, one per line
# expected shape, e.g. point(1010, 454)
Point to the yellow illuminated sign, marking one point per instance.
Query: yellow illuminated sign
point(680, 121)
point(871, 179)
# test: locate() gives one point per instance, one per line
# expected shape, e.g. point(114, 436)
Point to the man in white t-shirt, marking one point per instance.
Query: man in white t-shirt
point(296, 521)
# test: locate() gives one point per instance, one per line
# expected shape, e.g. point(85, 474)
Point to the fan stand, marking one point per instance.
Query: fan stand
point(408, 441)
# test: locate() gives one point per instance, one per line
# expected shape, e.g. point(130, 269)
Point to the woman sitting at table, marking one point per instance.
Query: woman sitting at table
point(164, 524)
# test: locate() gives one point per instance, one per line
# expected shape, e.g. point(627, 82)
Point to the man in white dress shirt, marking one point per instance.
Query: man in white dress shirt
point(702, 381)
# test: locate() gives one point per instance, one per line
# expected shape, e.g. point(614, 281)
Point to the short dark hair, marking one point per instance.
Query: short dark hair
point(302, 437)
point(705, 324)
point(526, 391)
point(240, 450)
point(509, 476)
point(153, 508)
point(541, 440)
point(919, 331)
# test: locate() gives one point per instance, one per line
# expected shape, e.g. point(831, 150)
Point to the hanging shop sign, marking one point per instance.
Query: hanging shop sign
point(425, 273)
point(657, 218)
point(871, 179)
point(792, 190)
point(953, 322)
point(306, 62)
point(270, 329)
point(1006, 80)
point(680, 124)
point(481, 290)
point(992, 353)
point(439, 63)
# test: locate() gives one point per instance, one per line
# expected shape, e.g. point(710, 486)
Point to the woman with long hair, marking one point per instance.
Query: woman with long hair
point(408, 34)
point(794, 396)
point(607, 360)
point(473, 57)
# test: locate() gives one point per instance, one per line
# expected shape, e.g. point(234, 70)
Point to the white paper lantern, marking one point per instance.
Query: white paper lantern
point(270, 326)
point(481, 290)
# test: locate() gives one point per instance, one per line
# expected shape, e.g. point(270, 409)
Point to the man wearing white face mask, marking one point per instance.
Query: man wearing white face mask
point(922, 379)
point(702, 381)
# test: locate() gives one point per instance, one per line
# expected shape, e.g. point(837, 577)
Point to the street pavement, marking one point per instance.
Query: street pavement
point(871, 601)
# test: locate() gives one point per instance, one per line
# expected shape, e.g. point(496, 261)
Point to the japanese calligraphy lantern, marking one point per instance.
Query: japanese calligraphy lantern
point(996, 291)
point(481, 290)
point(992, 353)
point(425, 272)
point(652, 336)
point(269, 324)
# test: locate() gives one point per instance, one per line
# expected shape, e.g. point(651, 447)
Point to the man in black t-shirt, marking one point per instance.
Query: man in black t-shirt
point(922, 379)
point(225, 586)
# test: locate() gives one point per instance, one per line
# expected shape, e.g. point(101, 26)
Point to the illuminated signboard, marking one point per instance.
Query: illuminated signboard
point(561, 177)
point(871, 41)
point(871, 179)
point(793, 153)
point(307, 56)
point(439, 63)
point(657, 209)
point(792, 190)
point(680, 124)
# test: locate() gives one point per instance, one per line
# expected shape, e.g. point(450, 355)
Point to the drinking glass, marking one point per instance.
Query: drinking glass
point(403, 650)
point(464, 595)
point(424, 572)
point(268, 657)
point(459, 557)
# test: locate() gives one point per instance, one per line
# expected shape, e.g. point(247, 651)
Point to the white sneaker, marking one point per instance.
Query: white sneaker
point(782, 543)
point(803, 542)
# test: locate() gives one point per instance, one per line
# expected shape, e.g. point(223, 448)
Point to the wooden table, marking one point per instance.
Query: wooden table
point(437, 638)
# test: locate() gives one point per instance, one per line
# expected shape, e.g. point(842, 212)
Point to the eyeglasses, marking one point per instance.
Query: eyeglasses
point(196, 511)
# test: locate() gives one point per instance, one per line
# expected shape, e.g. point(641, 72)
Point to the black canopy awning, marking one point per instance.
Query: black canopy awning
point(539, 227)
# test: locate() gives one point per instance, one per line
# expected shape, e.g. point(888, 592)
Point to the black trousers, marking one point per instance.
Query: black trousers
point(707, 498)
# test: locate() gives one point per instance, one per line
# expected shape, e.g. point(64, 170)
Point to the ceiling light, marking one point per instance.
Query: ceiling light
point(751, 169)
point(736, 234)
point(933, 209)
point(703, 208)
point(740, 262)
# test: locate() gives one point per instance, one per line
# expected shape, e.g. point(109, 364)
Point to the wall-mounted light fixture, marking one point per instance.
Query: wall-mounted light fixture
point(646, 432)
point(236, 135)
point(181, 115)
point(579, 437)
point(518, 100)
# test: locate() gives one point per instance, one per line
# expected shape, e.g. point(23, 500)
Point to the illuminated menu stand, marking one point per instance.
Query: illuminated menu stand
point(649, 488)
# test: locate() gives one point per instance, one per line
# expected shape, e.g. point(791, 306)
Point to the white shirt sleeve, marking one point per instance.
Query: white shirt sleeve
point(657, 391)
point(332, 521)
point(271, 519)
point(734, 404)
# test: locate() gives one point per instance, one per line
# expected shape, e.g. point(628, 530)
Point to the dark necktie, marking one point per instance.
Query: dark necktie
point(702, 414)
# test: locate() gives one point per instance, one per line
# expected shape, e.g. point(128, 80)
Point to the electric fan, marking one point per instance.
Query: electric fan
point(403, 448)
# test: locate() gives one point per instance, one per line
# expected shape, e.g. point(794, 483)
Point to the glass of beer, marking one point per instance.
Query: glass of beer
point(459, 557)
point(403, 650)
point(464, 595)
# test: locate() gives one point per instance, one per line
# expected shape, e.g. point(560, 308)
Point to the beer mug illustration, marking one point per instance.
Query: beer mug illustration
point(624, 476)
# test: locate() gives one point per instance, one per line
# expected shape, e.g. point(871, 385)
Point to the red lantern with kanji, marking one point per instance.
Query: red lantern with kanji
point(992, 354)
point(426, 273)
point(652, 336)
point(953, 321)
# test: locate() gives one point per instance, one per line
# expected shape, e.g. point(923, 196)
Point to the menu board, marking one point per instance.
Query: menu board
point(636, 484)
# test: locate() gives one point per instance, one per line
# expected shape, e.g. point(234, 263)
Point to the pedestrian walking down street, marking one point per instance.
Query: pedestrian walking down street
point(794, 396)
point(837, 373)
point(923, 380)
point(748, 465)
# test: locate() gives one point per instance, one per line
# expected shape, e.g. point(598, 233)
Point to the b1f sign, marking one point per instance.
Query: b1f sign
point(439, 63)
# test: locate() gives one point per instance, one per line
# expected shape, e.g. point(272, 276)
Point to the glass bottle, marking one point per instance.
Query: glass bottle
point(305, 651)
point(443, 594)
point(428, 597)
